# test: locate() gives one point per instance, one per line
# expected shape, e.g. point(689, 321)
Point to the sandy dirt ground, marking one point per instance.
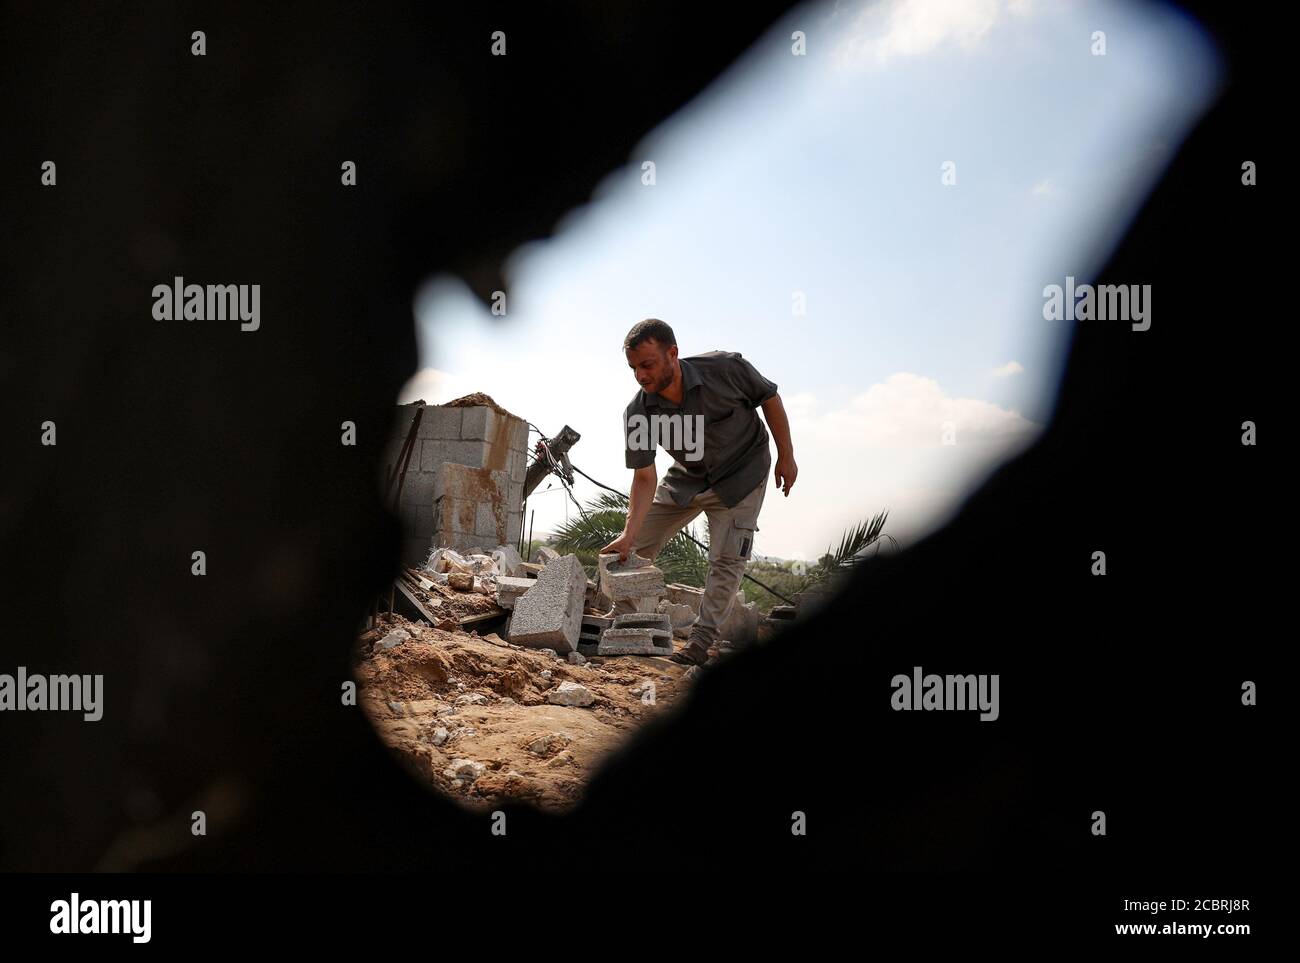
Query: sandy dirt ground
point(469, 715)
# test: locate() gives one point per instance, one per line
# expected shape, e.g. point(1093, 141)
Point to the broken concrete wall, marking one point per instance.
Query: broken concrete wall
point(464, 484)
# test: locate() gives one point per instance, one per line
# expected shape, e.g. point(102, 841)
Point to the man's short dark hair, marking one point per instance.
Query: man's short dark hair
point(651, 329)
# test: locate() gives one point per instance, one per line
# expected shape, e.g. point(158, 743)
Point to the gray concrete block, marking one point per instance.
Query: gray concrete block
point(517, 464)
point(549, 615)
point(637, 583)
point(478, 424)
point(635, 642)
point(519, 435)
point(510, 589)
point(642, 620)
point(514, 527)
point(472, 453)
point(685, 595)
point(597, 623)
point(440, 423)
point(425, 521)
point(417, 487)
point(515, 495)
point(490, 522)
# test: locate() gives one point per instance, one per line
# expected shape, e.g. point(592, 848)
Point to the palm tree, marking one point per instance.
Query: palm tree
point(853, 549)
point(602, 521)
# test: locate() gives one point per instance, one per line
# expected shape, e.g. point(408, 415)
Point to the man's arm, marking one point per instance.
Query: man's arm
point(786, 471)
point(643, 493)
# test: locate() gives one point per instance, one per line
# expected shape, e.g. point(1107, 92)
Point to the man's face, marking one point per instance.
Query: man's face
point(653, 365)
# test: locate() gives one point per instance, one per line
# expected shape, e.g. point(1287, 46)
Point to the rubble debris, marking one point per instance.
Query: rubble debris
point(782, 612)
point(393, 639)
point(440, 736)
point(532, 569)
point(577, 658)
point(680, 594)
point(570, 694)
point(634, 579)
point(509, 590)
point(680, 616)
point(508, 561)
point(465, 770)
point(460, 581)
point(550, 613)
point(740, 624)
point(545, 554)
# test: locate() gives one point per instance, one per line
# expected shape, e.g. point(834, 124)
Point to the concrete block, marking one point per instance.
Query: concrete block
point(465, 481)
point(685, 595)
point(418, 486)
point(514, 527)
point(517, 464)
point(478, 424)
point(549, 615)
point(642, 620)
point(471, 453)
point(518, 435)
point(596, 623)
point(440, 423)
point(544, 554)
point(635, 642)
point(457, 515)
point(740, 624)
point(681, 617)
point(508, 561)
point(425, 520)
point(515, 495)
point(509, 590)
point(490, 522)
point(634, 579)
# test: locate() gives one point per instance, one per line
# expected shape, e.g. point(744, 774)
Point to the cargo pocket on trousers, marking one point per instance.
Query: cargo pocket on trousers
point(741, 541)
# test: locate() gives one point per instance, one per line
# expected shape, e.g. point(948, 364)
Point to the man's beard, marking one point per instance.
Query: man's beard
point(667, 381)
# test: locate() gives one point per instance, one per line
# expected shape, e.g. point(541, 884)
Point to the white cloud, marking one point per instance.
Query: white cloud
point(894, 29)
point(911, 411)
point(1008, 369)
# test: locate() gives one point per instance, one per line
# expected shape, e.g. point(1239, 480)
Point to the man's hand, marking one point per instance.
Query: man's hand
point(786, 472)
point(622, 545)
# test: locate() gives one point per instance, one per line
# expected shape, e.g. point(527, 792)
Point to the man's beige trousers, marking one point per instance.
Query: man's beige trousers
point(731, 542)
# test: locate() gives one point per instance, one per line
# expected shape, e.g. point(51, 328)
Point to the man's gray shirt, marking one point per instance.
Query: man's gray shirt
point(723, 389)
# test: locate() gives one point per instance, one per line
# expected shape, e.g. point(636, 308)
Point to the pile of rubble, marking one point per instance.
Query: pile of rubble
point(550, 603)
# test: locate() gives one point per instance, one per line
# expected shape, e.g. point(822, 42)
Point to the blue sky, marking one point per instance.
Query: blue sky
point(821, 174)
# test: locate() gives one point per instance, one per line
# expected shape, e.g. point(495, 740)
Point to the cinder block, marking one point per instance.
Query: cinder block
point(471, 453)
point(518, 466)
point(490, 523)
point(474, 484)
point(514, 528)
point(686, 595)
point(550, 614)
point(478, 424)
point(518, 434)
point(457, 515)
point(514, 495)
point(440, 423)
point(634, 579)
point(509, 590)
point(417, 487)
point(425, 520)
